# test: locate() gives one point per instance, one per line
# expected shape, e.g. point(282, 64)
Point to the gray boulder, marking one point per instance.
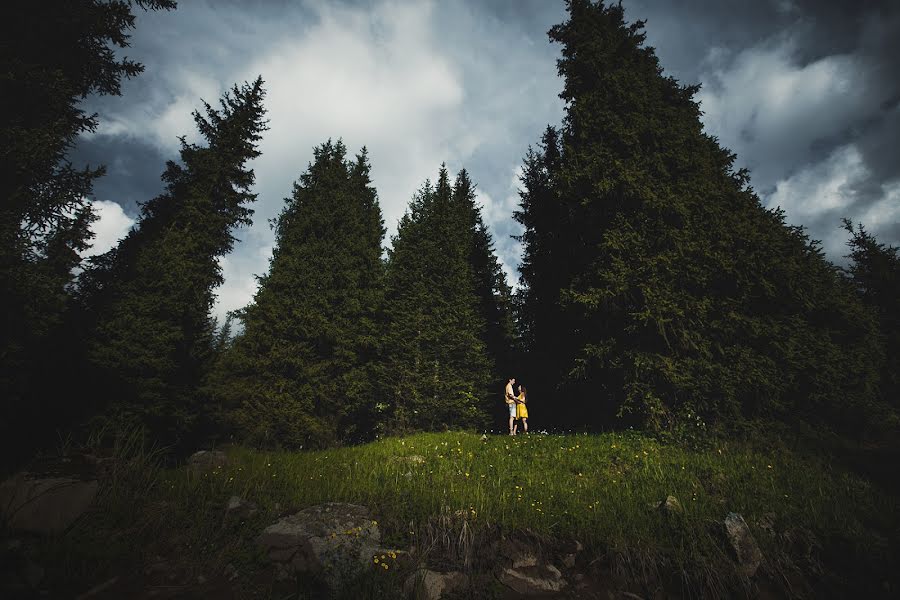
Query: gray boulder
point(425, 584)
point(335, 541)
point(44, 505)
point(533, 580)
point(744, 545)
point(239, 508)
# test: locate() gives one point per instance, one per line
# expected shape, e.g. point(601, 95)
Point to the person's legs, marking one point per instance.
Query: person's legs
point(525, 424)
point(512, 419)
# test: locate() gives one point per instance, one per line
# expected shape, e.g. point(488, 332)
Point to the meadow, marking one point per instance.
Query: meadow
point(448, 495)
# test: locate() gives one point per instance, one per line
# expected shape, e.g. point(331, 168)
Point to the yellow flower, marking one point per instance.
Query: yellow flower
point(385, 566)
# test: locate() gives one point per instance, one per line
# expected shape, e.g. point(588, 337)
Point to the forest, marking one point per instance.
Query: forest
point(657, 297)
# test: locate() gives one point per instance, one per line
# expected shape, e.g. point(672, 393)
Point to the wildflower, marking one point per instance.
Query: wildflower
point(384, 566)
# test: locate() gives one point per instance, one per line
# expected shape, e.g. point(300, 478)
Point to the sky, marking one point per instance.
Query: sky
point(806, 93)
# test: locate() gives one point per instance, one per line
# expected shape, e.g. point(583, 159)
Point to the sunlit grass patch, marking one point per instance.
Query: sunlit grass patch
point(602, 490)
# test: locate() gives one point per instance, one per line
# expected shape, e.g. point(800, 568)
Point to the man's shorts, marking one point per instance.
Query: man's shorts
point(512, 410)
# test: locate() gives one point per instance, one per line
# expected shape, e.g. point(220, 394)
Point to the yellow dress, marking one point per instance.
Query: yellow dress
point(521, 409)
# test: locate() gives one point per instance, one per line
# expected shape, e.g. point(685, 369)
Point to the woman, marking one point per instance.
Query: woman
point(521, 409)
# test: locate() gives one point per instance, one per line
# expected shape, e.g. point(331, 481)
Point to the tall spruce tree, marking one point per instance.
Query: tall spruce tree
point(874, 271)
point(54, 54)
point(437, 369)
point(302, 373)
point(544, 271)
point(493, 292)
point(146, 303)
point(675, 296)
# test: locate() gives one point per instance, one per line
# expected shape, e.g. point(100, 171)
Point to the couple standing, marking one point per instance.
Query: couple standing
point(516, 405)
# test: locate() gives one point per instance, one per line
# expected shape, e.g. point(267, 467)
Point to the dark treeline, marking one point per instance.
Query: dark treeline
point(656, 290)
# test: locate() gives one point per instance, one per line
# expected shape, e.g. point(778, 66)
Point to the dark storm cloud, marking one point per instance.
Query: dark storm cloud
point(805, 92)
point(133, 170)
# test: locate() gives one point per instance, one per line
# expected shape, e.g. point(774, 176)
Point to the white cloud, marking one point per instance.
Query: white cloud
point(111, 226)
point(497, 215)
point(829, 190)
point(772, 111)
point(823, 187)
point(418, 84)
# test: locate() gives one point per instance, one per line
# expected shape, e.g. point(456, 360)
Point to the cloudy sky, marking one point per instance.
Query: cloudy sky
point(805, 92)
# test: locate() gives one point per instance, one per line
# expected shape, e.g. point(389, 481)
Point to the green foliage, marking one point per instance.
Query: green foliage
point(831, 531)
point(54, 54)
point(145, 304)
point(655, 284)
point(874, 272)
point(437, 370)
point(302, 373)
point(493, 292)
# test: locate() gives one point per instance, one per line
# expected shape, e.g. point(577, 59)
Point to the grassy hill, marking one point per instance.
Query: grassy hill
point(449, 496)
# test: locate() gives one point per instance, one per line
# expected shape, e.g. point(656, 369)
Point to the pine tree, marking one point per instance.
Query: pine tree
point(544, 271)
point(874, 271)
point(493, 292)
point(674, 295)
point(54, 54)
point(437, 369)
point(146, 303)
point(302, 372)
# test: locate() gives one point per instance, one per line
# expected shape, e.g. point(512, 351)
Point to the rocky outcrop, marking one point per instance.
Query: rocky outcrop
point(334, 541)
point(44, 505)
point(425, 584)
point(524, 570)
point(238, 508)
point(743, 544)
point(533, 580)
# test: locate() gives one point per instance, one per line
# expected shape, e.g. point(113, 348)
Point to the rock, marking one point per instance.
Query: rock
point(570, 553)
point(541, 579)
point(747, 552)
point(671, 505)
point(206, 461)
point(484, 437)
point(431, 585)
point(517, 553)
point(239, 508)
point(44, 505)
point(334, 540)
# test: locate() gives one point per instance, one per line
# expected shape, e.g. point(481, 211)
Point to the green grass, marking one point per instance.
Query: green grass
point(597, 489)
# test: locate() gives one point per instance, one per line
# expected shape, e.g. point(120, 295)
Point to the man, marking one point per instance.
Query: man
point(511, 403)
